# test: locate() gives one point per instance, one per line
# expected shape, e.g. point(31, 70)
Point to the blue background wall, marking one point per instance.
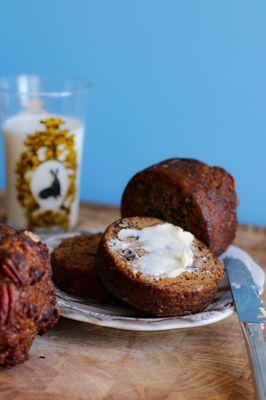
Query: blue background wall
point(170, 78)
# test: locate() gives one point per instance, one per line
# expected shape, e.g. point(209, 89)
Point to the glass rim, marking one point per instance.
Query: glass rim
point(81, 85)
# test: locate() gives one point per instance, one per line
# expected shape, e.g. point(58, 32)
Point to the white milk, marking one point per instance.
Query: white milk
point(15, 130)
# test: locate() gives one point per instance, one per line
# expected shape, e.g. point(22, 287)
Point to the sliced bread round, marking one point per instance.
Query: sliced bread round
point(74, 268)
point(190, 290)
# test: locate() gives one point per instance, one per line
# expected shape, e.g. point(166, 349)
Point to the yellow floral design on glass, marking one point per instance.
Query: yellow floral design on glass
point(58, 145)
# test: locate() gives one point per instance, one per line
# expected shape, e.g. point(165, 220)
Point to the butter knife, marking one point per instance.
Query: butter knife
point(252, 315)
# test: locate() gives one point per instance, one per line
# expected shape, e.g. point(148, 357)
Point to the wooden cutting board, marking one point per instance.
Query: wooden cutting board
point(81, 361)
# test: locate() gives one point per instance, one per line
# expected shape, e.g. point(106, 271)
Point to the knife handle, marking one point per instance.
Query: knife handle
point(257, 355)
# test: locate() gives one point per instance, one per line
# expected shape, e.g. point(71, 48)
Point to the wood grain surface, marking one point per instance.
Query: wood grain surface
point(81, 361)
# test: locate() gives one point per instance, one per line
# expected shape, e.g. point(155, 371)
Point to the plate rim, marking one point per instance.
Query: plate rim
point(143, 327)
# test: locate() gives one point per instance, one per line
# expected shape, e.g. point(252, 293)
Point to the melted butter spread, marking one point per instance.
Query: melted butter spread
point(160, 251)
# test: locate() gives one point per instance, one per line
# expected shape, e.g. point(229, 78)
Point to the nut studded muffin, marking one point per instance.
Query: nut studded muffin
point(157, 267)
point(188, 193)
point(27, 300)
point(74, 267)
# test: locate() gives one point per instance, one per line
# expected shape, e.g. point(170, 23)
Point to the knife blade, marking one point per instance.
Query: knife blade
point(245, 292)
point(251, 315)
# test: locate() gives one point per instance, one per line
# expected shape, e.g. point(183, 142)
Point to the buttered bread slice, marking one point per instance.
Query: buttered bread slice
point(157, 267)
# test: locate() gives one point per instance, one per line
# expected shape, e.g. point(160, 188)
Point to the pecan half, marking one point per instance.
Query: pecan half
point(7, 302)
point(11, 265)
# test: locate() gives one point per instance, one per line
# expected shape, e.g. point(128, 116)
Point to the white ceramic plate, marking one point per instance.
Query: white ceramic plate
point(121, 316)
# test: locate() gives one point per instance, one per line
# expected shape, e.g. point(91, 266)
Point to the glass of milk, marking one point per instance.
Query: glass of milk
point(43, 123)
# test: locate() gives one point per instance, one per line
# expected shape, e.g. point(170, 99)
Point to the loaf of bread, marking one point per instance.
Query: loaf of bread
point(27, 299)
point(157, 267)
point(188, 193)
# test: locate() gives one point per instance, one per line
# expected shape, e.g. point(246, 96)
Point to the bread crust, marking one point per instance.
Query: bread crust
point(27, 299)
point(74, 267)
point(187, 193)
point(185, 294)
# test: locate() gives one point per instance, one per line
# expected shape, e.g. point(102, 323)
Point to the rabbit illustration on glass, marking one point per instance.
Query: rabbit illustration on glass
point(54, 190)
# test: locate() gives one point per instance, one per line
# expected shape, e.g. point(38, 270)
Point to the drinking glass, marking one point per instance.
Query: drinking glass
point(43, 123)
